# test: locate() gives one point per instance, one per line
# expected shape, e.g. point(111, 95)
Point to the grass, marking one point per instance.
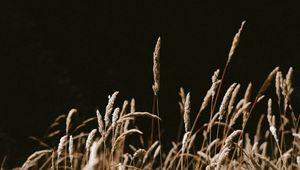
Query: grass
point(221, 143)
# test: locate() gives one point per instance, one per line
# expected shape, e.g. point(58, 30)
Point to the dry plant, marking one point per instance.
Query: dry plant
point(224, 143)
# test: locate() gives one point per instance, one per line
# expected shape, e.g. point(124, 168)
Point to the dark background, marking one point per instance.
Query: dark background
point(57, 55)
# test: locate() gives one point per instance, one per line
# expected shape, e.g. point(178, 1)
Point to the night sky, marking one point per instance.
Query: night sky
point(60, 55)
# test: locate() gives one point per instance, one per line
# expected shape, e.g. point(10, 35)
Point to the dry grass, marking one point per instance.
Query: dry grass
point(228, 147)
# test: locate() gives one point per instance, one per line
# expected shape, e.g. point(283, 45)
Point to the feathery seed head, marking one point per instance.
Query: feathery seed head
point(215, 76)
point(235, 42)
point(109, 107)
point(273, 132)
point(90, 139)
point(156, 67)
point(225, 101)
point(115, 116)
point(278, 82)
point(68, 120)
point(186, 115)
point(132, 105)
point(100, 123)
point(289, 77)
point(60, 147)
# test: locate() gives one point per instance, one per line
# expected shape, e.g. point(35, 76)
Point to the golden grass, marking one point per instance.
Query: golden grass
point(231, 147)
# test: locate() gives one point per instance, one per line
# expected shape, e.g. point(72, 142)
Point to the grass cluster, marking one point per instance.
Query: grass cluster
point(221, 143)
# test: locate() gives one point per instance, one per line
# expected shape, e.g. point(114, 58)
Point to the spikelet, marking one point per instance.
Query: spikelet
point(223, 155)
point(229, 139)
point(184, 141)
point(115, 116)
point(248, 91)
point(132, 105)
point(215, 76)
point(68, 120)
point(238, 113)
point(212, 91)
point(225, 101)
point(287, 91)
point(233, 98)
point(235, 42)
point(186, 115)
point(218, 159)
point(182, 97)
point(90, 139)
point(109, 108)
point(247, 97)
point(100, 123)
point(124, 108)
point(267, 82)
point(271, 120)
point(278, 82)
point(214, 80)
point(209, 95)
point(289, 77)
point(273, 132)
point(156, 67)
point(240, 104)
point(60, 147)
point(269, 115)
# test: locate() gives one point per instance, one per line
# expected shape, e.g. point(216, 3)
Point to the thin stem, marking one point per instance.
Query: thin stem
point(211, 113)
point(159, 133)
point(152, 120)
point(218, 129)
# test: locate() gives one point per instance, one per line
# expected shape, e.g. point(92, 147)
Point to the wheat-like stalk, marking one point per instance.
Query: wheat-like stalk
point(186, 115)
point(68, 120)
point(233, 98)
point(100, 123)
point(278, 82)
point(235, 42)
point(61, 144)
point(90, 139)
point(156, 67)
point(109, 107)
point(225, 101)
point(115, 116)
point(132, 105)
point(214, 80)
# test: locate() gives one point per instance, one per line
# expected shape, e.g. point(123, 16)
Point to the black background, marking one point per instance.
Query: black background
point(60, 55)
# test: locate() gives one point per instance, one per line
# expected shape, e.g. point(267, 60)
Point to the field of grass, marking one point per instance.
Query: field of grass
point(221, 143)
